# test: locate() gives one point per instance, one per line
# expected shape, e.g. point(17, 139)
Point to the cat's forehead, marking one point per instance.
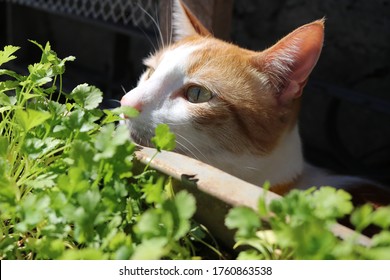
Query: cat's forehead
point(177, 50)
point(190, 54)
point(219, 66)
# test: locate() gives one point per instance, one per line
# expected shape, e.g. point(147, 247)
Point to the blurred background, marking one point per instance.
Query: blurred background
point(345, 119)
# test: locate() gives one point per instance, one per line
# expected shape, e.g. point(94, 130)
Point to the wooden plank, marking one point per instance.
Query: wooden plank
point(216, 192)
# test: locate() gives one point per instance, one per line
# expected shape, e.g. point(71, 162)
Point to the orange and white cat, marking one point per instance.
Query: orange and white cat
point(230, 107)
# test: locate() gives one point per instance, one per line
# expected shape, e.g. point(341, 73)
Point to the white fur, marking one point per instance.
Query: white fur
point(283, 165)
point(182, 27)
point(153, 96)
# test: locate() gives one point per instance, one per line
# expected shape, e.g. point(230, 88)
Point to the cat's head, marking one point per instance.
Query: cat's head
point(222, 101)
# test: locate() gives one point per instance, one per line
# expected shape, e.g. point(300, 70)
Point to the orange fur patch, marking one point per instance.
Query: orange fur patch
point(245, 114)
point(283, 188)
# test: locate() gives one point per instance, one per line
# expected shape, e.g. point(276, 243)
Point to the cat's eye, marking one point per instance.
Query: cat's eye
point(197, 94)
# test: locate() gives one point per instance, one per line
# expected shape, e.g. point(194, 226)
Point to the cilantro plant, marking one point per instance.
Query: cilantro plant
point(298, 226)
point(69, 185)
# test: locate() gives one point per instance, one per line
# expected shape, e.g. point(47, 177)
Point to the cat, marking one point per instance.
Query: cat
point(233, 108)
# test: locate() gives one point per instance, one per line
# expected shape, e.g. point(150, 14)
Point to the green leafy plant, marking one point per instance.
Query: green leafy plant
point(69, 183)
point(298, 226)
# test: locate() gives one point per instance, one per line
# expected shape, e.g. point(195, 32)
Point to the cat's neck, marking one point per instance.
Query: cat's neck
point(283, 166)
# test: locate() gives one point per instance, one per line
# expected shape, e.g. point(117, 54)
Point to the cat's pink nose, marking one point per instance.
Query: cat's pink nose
point(130, 101)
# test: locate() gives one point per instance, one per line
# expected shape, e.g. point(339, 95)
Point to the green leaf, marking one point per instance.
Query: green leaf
point(262, 204)
point(118, 240)
point(84, 254)
point(151, 249)
point(329, 203)
point(244, 219)
point(109, 139)
point(149, 225)
point(185, 206)
point(82, 154)
point(40, 74)
point(35, 147)
point(381, 239)
point(250, 255)
point(127, 111)
point(49, 248)
point(57, 65)
point(73, 182)
point(88, 97)
point(9, 192)
point(110, 117)
point(381, 217)
point(362, 217)
point(39, 45)
point(78, 120)
point(7, 54)
point(296, 205)
point(6, 86)
point(172, 220)
point(154, 190)
point(43, 181)
point(123, 253)
point(104, 144)
point(17, 77)
point(89, 200)
point(33, 210)
point(381, 253)
point(164, 139)
point(30, 118)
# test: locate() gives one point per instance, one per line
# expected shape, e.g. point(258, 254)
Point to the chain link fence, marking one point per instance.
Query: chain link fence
point(132, 14)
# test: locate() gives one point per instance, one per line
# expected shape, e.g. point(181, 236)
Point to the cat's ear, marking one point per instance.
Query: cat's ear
point(184, 22)
point(289, 62)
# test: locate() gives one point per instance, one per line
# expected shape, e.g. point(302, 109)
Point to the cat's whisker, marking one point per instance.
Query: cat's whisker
point(167, 25)
point(113, 100)
point(110, 104)
point(170, 35)
point(156, 24)
point(177, 124)
point(123, 89)
point(186, 149)
point(251, 168)
point(197, 149)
